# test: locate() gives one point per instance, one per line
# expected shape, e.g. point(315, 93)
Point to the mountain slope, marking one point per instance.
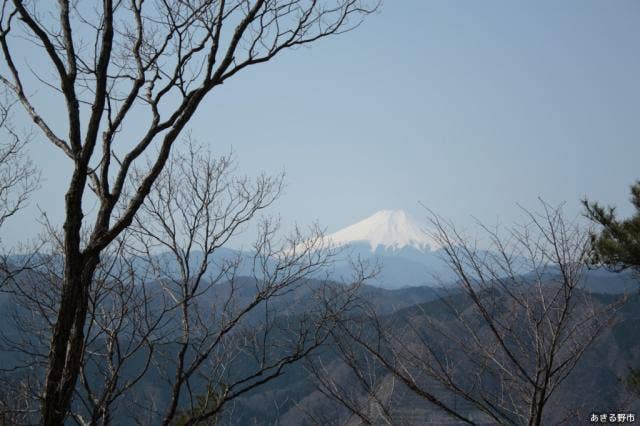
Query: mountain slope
point(386, 229)
point(402, 247)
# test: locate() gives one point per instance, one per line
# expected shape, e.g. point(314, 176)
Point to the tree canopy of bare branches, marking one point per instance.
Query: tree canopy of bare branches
point(174, 332)
point(497, 346)
point(115, 62)
point(19, 178)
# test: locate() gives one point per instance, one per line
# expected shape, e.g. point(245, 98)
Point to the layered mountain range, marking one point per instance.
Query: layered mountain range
point(411, 265)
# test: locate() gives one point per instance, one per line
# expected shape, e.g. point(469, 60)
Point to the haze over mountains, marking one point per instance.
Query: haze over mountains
point(402, 248)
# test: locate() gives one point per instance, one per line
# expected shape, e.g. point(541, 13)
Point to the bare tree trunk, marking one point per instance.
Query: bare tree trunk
point(66, 342)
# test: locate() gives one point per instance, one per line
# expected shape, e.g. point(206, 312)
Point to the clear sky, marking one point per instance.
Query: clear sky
point(469, 107)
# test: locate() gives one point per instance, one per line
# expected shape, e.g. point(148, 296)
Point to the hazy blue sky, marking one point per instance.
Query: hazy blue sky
point(467, 106)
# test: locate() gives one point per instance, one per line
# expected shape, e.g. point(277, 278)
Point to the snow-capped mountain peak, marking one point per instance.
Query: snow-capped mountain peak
point(389, 229)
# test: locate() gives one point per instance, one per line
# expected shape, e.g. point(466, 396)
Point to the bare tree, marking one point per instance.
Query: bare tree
point(166, 308)
point(498, 345)
point(114, 63)
point(234, 334)
point(27, 319)
point(355, 381)
point(19, 178)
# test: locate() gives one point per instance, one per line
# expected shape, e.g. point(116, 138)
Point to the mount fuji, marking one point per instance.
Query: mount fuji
point(388, 230)
point(403, 247)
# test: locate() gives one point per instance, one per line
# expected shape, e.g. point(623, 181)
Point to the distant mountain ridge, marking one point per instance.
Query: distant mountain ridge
point(403, 248)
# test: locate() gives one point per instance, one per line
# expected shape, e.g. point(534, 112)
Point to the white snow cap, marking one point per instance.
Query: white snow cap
point(391, 229)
